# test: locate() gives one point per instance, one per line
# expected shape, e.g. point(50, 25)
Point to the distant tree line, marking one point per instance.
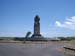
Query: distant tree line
point(66, 38)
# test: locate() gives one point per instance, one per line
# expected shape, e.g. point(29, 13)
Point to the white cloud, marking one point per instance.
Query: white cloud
point(58, 23)
point(68, 23)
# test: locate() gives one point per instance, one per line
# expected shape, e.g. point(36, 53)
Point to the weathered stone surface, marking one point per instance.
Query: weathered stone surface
point(36, 34)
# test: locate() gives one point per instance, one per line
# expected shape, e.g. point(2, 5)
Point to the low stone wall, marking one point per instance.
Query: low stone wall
point(69, 50)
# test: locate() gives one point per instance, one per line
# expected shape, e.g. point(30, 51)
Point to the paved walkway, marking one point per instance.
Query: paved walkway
point(12, 49)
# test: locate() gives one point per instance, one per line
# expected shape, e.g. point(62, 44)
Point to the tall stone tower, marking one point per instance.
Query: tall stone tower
point(36, 33)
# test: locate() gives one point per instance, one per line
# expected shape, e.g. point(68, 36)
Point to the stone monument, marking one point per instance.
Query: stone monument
point(36, 34)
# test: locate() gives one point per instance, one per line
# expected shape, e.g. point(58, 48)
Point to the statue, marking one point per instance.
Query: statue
point(36, 33)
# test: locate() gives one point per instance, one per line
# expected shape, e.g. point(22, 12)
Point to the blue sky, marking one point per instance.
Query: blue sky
point(57, 17)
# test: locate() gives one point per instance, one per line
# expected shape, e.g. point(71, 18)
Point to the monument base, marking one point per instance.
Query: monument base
point(36, 37)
